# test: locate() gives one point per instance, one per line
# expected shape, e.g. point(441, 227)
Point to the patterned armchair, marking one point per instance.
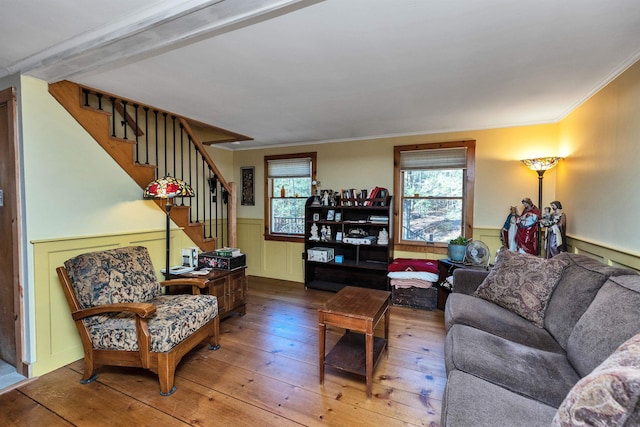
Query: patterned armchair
point(125, 320)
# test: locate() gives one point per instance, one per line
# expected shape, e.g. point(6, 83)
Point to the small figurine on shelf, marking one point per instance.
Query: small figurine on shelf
point(323, 234)
point(383, 237)
point(325, 198)
point(328, 233)
point(314, 233)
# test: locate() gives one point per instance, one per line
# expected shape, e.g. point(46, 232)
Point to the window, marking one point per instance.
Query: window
point(435, 187)
point(288, 183)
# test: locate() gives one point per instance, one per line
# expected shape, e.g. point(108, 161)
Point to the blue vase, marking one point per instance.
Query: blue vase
point(456, 252)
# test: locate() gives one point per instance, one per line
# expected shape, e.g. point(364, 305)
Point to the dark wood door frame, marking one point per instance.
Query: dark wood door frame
point(11, 289)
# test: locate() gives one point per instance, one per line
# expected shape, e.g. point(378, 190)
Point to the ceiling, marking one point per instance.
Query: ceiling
point(288, 72)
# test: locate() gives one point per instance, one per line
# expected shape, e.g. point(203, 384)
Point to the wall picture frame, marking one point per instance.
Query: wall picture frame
point(331, 214)
point(248, 185)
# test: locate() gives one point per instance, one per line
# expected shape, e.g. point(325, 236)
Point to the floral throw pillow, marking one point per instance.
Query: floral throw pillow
point(522, 284)
point(608, 396)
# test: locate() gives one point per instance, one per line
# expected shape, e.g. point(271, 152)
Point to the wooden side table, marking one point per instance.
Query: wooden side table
point(229, 286)
point(446, 267)
point(358, 310)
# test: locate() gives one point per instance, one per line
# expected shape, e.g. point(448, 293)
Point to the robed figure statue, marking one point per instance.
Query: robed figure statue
point(527, 235)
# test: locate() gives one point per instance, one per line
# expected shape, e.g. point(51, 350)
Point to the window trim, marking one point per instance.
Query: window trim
point(468, 196)
point(267, 196)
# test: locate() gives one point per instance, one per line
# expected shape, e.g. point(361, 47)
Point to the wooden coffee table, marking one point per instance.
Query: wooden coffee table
point(358, 310)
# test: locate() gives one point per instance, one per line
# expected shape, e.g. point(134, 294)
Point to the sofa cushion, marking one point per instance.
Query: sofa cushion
point(537, 374)
point(113, 276)
point(612, 318)
point(608, 396)
point(487, 316)
point(470, 401)
point(574, 292)
point(522, 283)
point(177, 317)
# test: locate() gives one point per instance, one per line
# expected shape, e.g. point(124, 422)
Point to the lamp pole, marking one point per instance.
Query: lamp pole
point(167, 207)
point(540, 174)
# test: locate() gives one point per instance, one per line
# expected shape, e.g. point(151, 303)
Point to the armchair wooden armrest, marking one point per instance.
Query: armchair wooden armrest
point(140, 309)
point(196, 283)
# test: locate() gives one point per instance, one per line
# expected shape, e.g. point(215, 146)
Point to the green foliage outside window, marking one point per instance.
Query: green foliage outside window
point(432, 204)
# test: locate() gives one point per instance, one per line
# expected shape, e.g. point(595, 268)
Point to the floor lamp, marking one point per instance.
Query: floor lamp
point(541, 165)
point(166, 189)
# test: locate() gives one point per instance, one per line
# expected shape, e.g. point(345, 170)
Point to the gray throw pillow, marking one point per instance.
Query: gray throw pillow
point(522, 283)
point(608, 396)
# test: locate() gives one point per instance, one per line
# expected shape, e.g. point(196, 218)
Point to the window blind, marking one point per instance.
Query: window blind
point(439, 158)
point(289, 168)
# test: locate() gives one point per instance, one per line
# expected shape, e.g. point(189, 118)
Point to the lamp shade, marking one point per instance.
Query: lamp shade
point(541, 163)
point(167, 188)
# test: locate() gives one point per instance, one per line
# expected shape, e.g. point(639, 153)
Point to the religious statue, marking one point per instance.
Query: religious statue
point(556, 229)
point(383, 237)
point(527, 234)
point(509, 230)
point(314, 233)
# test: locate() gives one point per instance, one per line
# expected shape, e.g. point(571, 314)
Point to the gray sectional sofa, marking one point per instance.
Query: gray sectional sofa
point(539, 342)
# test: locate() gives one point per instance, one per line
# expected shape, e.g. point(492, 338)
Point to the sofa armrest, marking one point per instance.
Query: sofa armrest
point(466, 281)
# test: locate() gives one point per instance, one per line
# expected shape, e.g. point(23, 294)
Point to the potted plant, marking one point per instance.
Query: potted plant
point(457, 248)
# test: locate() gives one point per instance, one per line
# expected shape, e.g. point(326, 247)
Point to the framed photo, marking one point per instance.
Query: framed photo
point(339, 236)
point(316, 216)
point(338, 216)
point(330, 214)
point(248, 193)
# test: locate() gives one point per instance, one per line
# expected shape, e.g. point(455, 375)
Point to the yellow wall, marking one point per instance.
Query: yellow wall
point(599, 181)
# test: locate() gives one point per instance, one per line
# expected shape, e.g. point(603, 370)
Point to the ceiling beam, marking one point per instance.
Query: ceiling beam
point(168, 26)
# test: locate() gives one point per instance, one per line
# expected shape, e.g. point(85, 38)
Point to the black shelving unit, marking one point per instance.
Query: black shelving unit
point(363, 265)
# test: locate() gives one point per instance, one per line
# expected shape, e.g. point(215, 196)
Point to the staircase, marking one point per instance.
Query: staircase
point(149, 143)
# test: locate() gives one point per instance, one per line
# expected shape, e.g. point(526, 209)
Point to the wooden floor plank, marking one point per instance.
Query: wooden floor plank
point(16, 409)
point(266, 373)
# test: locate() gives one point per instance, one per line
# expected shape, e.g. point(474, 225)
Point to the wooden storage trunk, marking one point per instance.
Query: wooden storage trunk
point(422, 298)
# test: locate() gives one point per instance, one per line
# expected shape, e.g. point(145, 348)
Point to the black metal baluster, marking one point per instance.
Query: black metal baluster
point(146, 133)
point(197, 187)
point(155, 113)
point(124, 118)
point(166, 171)
point(135, 107)
point(85, 92)
point(113, 116)
point(190, 177)
point(204, 204)
point(181, 152)
point(173, 124)
point(99, 95)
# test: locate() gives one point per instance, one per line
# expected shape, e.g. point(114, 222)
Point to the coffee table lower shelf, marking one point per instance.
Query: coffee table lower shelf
point(349, 353)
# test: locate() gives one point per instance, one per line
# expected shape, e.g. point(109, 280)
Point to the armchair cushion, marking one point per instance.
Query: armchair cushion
point(113, 276)
point(176, 318)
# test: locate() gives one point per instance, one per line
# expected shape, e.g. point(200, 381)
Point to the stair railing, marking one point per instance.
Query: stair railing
point(168, 142)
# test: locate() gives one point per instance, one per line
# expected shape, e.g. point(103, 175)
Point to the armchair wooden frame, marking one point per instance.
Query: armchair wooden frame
point(163, 364)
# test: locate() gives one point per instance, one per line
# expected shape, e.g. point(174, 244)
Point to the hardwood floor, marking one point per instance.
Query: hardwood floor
point(266, 373)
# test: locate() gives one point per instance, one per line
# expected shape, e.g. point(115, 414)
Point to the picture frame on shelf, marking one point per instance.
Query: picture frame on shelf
point(331, 214)
point(338, 216)
point(316, 216)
